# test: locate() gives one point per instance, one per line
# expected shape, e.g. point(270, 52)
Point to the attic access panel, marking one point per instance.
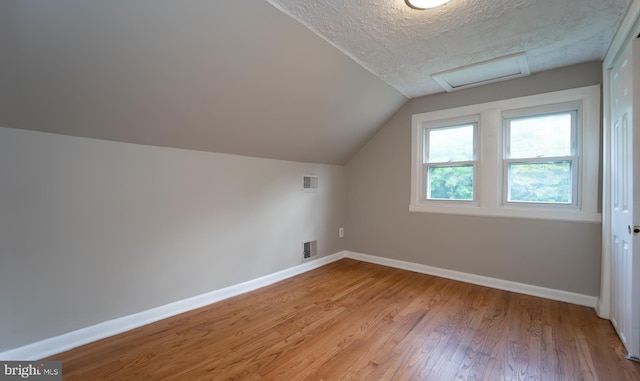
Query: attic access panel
point(499, 69)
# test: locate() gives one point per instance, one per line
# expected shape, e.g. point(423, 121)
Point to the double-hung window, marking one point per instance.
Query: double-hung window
point(541, 157)
point(450, 162)
point(530, 157)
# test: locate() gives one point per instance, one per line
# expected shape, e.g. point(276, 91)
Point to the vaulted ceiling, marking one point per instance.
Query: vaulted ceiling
point(236, 77)
point(245, 77)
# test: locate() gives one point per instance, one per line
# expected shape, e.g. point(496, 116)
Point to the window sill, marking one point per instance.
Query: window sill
point(535, 213)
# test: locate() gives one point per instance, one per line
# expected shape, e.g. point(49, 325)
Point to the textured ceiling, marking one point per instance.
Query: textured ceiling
point(404, 46)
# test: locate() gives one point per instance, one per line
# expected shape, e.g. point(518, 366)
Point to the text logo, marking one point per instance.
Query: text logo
point(31, 370)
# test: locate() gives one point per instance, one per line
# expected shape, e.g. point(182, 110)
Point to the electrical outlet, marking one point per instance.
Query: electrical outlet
point(341, 232)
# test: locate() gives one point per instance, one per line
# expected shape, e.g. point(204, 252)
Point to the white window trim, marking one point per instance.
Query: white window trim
point(574, 158)
point(489, 190)
point(475, 121)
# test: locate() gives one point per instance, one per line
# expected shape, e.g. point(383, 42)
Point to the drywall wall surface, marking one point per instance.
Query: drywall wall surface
point(558, 255)
point(219, 76)
point(92, 230)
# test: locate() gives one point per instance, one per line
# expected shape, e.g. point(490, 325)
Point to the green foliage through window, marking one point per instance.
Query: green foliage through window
point(451, 183)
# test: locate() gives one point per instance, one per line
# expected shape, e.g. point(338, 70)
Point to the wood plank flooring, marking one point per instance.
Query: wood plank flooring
point(351, 320)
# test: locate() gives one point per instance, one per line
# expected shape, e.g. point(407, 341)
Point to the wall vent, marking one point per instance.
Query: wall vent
point(310, 249)
point(309, 183)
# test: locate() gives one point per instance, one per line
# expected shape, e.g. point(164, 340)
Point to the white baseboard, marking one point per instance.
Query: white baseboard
point(70, 340)
point(543, 292)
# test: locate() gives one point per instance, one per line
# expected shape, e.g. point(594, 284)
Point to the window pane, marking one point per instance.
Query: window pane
point(540, 182)
point(450, 144)
point(540, 136)
point(450, 183)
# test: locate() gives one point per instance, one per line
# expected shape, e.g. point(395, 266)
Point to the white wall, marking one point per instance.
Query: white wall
point(92, 230)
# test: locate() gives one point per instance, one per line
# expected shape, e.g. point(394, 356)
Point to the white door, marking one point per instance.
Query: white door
point(625, 260)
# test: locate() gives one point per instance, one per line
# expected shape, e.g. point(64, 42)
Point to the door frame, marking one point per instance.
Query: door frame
point(628, 30)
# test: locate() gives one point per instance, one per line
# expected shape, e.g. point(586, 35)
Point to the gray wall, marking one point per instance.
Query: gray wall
point(235, 76)
point(92, 230)
point(558, 255)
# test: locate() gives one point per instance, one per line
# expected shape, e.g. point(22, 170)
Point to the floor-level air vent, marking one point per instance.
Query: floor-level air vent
point(309, 183)
point(310, 249)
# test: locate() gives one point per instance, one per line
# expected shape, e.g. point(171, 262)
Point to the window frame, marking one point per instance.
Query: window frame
point(450, 124)
point(490, 192)
point(573, 108)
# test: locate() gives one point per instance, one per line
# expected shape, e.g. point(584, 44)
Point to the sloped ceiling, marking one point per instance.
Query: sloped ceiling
point(297, 80)
point(404, 46)
point(235, 77)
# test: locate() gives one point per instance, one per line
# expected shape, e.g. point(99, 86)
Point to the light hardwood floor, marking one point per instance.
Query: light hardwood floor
point(351, 320)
